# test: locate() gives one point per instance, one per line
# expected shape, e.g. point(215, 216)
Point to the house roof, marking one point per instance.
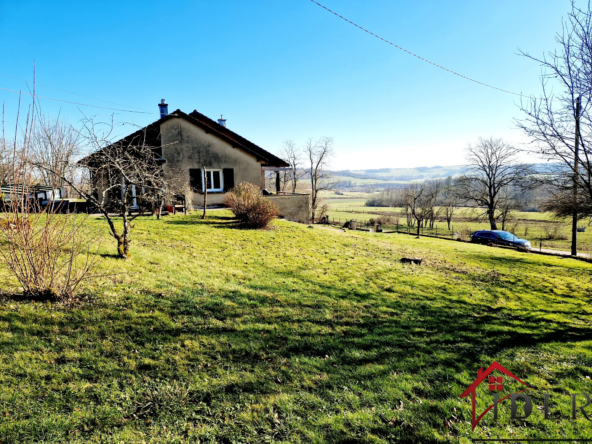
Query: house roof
point(150, 136)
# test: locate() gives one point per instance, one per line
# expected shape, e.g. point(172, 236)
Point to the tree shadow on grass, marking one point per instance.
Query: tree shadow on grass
point(215, 221)
point(108, 255)
point(313, 348)
point(530, 259)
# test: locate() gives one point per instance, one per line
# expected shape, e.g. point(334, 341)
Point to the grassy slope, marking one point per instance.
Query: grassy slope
point(294, 335)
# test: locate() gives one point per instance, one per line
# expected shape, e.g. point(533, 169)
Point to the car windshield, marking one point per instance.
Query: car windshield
point(505, 235)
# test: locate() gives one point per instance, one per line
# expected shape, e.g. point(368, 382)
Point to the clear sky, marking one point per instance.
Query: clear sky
point(287, 69)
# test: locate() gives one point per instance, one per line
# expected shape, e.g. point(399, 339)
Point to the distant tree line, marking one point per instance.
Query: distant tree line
point(494, 183)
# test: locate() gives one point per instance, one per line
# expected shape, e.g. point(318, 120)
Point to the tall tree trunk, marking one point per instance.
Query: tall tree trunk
point(418, 228)
point(574, 221)
point(123, 248)
point(159, 210)
point(492, 220)
point(123, 241)
point(313, 206)
point(205, 193)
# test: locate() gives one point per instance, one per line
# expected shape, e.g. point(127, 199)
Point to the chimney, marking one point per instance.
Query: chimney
point(222, 121)
point(164, 108)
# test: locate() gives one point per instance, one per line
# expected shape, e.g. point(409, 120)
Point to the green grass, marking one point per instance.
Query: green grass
point(216, 334)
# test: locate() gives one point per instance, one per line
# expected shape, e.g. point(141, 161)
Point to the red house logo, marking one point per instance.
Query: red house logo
point(495, 385)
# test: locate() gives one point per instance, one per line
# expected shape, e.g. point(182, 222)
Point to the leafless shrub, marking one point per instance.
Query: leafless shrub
point(463, 234)
point(241, 199)
point(49, 254)
point(323, 212)
point(553, 232)
point(384, 220)
point(250, 208)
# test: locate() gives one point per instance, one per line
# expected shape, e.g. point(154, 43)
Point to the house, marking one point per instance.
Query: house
point(187, 143)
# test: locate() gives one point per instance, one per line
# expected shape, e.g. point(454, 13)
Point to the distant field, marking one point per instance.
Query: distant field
point(536, 227)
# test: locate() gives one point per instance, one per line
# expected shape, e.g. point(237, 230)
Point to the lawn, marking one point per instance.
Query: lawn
point(215, 334)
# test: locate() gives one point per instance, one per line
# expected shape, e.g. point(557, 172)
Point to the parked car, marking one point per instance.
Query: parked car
point(499, 237)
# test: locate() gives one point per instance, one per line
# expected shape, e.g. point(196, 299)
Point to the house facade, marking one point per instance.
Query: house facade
point(188, 143)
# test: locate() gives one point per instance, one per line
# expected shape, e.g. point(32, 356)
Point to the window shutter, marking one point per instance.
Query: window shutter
point(228, 178)
point(195, 181)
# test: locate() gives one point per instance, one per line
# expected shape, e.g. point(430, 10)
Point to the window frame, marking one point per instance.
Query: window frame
point(205, 182)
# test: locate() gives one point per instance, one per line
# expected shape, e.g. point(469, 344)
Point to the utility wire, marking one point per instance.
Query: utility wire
point(415, 55)
point(75, 103)
point(70, 92)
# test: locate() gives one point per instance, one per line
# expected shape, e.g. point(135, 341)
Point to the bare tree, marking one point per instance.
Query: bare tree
point(434, 188)
point(48, 254)
point(125, 180)
point(318, 154)
point(510, 199)
point(55, 147)
point(449, 201)
point(562, 204)
point(269, 178)
point(420, 199)
point(560, 124)
point(493, 167)
point(293, 156)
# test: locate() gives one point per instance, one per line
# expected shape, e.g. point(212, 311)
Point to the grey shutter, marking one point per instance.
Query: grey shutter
point(195, 181)
point(228, 174)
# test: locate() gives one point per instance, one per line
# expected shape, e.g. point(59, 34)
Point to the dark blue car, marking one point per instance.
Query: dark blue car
point(499, 237)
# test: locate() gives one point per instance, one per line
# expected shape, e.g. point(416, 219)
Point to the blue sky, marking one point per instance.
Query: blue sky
point(287, 69)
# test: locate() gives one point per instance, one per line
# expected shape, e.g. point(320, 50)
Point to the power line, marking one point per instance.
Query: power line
point(70, 92)
point(415, 55)
point(75, 103)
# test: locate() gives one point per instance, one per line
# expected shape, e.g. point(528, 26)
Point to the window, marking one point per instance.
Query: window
point(214, 180)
